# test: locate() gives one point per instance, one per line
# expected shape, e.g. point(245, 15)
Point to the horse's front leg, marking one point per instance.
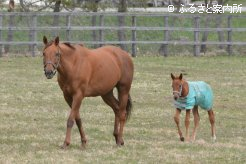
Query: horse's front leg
point(196, 122)
point(177, 121)
point(187, 125)
point(70, 121)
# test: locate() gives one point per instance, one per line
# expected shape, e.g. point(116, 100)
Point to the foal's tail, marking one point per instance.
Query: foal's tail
point(128, 107)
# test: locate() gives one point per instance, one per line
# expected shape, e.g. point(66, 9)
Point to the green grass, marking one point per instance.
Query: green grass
point(33, 115)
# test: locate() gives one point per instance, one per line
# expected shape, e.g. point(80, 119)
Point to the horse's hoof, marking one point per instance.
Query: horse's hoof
point(116, 139)
point(182, 139)
point(120, 143)
point(83, 145)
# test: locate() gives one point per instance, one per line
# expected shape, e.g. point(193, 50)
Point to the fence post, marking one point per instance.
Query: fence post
point(229, 37)
point(1, 22)
point(101, 31)
point(166, 36)
point(122, 31)
point(10, 32)
point(94, 32)
point(34, 34)
point(196, 36)
point(68, 24)
point(134, 36)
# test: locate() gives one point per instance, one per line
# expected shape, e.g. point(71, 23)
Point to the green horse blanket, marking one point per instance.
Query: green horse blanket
point(200, 93)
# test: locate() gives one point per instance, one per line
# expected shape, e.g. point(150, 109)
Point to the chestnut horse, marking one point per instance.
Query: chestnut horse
point(83, 72)
point(190, 95)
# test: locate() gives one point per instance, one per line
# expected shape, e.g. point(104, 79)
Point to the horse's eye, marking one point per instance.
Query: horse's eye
point(43, 54)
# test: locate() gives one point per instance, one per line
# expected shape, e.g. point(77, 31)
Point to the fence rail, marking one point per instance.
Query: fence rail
point(34, 29)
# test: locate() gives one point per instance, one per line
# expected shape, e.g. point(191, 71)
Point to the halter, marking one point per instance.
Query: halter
point(180, 90)
point(55, 66)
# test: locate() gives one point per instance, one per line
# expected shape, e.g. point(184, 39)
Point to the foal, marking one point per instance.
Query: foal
point(190, 95)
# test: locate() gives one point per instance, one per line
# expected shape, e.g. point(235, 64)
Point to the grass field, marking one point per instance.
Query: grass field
point(33, 115)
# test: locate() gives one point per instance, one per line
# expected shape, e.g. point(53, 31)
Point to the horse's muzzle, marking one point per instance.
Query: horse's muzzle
point(49, 74)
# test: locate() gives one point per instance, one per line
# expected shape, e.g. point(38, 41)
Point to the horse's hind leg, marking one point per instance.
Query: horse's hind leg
point(114, 104)
point(123, 94)
point(196, 122)
point(212, 122)
point(177, 121)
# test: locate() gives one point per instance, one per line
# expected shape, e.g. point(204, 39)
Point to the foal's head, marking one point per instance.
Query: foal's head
point(51, 57)
point(177, 85)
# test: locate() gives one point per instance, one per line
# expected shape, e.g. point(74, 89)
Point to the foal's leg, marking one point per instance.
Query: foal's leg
point(212, 122)
point(187, 125)
point(177, 121)
point(70, 121)
point(196, 122)
point(114, 104)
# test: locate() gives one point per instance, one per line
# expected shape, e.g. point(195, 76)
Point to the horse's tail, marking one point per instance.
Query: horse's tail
point(128, 107)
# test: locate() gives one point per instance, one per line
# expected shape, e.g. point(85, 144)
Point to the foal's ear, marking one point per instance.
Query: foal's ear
point(180, 76)
point(172, 76)
point(57, 40)
point(45, 40)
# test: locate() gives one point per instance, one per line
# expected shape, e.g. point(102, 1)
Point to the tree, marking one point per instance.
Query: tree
point(218, 25)
point(57, 8)
point(11, 23)
point(93, 6)
point(121, 19)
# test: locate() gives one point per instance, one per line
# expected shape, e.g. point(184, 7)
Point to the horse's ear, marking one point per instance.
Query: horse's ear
point(172, 76)
point(180, 76)
point(45, 40)
point(57, 40)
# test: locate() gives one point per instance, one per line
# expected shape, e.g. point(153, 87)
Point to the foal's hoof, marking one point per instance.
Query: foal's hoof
point(182, 139)
point(214, 138)
point(82, 147)
point(65, 146)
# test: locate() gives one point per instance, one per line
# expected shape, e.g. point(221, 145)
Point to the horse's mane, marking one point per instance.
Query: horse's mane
point(68, 44)
point(81, 44)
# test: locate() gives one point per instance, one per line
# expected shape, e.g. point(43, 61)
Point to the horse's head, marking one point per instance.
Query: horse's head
point(177, 85)
point(51, 57)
